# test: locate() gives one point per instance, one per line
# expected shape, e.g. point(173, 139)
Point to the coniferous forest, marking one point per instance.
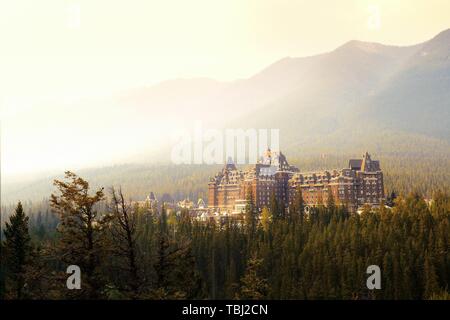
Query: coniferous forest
point(126, 251)
point(185, 154)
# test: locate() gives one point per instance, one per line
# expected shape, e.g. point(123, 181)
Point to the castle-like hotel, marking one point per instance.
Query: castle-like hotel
point(359, 184)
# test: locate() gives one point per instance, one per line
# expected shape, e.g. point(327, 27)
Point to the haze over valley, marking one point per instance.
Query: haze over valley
point(391, 100)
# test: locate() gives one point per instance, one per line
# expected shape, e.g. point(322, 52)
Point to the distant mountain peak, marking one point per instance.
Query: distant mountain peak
point(443, 34)
point(361, 44)
point(368, 47)
point(442, 38)
point(438, 48)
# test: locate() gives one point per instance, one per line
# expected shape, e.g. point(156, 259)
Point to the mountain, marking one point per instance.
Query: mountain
point(393, 101)
point(363, 93)
point(417, 97)
point(350, 97)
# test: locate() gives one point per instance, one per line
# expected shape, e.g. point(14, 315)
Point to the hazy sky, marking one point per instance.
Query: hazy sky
point(54, 46)
point(64, 48)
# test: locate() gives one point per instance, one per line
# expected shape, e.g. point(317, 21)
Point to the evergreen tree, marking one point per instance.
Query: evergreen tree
point(250, 214)
point(17, 250)
point(299, 204)
point(431, 285)
point(164, 256)
point(324, 257)
point(185, 276)
point(253, 286)
point(266, 219)
point(81, 230)
point(2, 269)
point(124, 236)
point(330, 201)
point(176, 275)
point(274, 206)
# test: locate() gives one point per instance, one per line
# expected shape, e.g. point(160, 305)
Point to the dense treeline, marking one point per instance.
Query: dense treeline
point(130, 252)
point(403, 173)
point(325, 255)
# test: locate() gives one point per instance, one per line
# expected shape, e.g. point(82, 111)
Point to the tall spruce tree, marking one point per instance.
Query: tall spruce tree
point(17, 251)
point(253, 286)
point(250, 213)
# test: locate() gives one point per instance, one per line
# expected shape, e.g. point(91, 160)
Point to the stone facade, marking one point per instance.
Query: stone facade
point(359, 184)
point(232, 186)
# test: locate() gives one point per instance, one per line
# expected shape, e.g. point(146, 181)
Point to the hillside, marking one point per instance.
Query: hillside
point(362, 93)
point(350, 98)
point(404, 174)
point(392, 101)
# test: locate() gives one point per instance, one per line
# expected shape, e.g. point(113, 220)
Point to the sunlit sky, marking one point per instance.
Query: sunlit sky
point(61, 49)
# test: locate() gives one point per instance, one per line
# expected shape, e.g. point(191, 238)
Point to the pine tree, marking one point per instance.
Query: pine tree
point(274, 206)
point(17, 250)
point(300, 204)
point(331, 205)
point(41, 282)
point(163, 260)
point(2, 270)
point(266, 219)
point(185, 278)
point(124, 236)
point(253, 286)
point(82, 230)
point(431, 285)
point(250, 214)
point(175, 268)
point(326, 256)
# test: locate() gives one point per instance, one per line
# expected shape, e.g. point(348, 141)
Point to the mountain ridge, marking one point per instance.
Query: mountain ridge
point(390, 100)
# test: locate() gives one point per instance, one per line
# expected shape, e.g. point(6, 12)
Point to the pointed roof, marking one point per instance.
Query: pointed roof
point(201, 203)
point(230, 164)
point(151, 197)
point(365, 165)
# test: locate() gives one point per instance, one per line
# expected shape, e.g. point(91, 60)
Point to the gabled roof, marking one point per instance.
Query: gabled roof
point(200, 203)
point(230, 164)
